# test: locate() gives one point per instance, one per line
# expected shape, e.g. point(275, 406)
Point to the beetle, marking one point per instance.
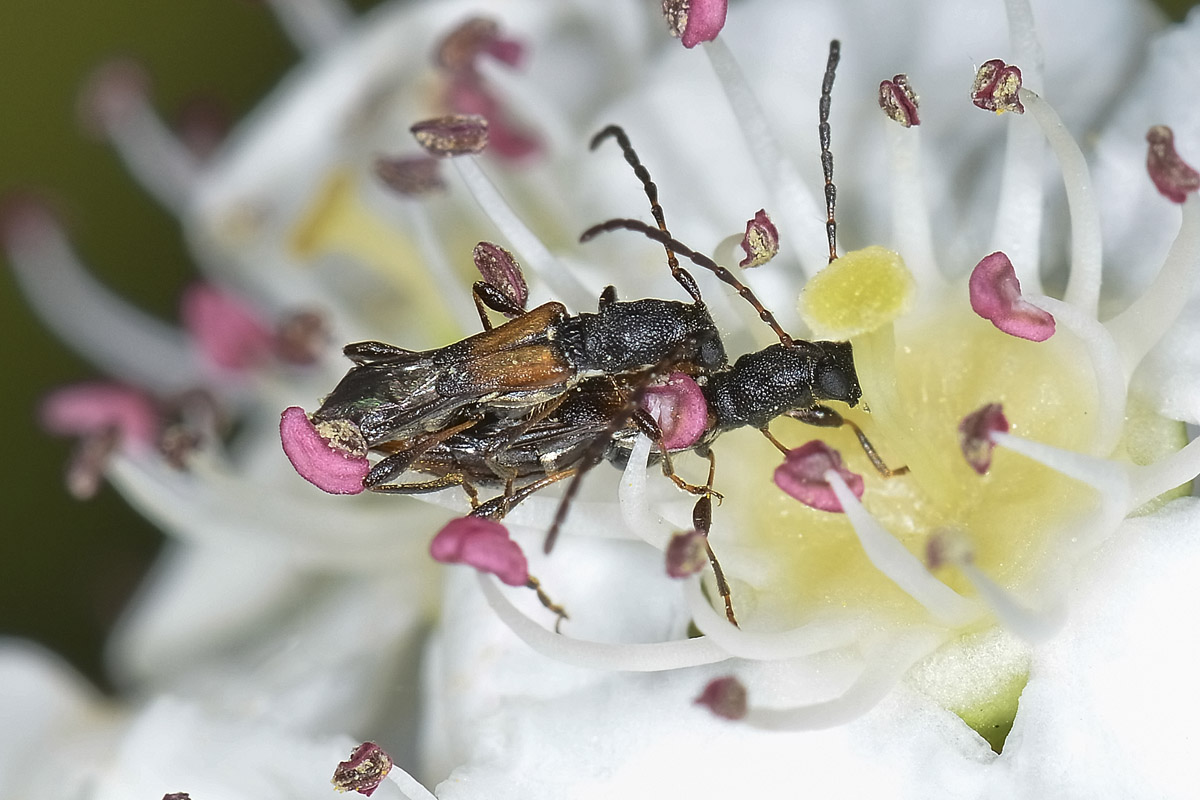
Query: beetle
point(393, 394)
point(599, 418)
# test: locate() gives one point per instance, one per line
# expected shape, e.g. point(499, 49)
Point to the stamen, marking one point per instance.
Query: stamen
point(115, 102)
point(819, 635)
point(214, 505)
point(501, 270)
point(557, 276)
point(997, 87)
point(1019, 213)
point(301, 338)
point(434, 260)
point(1138, 328)
point(1173, 177)
point(1083, 286)
point(202, 124)
point(974, 435)
point(686, 554)
point(910, 209)
point(724, 697)
point(411, 176)
point(452, 135)
point(1034, 627)
point(631, 496)
point(483, 544)
point(459, 50)
point(313, 25)
point(1111, 381)
point(1151, 480)
point(904, 569)
point(86, 465)
point(652, 657)
point(89, 408)
point(506, 140)
point(1111, 480)
point(899, 101)
point(953, 547)
point(329, 455)
point(995, 294)
point(133, 347)
point(225, 329)
point(802, 476)
point(885, 665)
point(366, 768)
point(761, 242)
point(410, 787)
point(802, 216)
point(695, 21)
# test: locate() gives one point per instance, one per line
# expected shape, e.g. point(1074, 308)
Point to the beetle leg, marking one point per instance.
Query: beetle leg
point(826, 417)
point(545, 600)
point(423, 487)
point(646, 424)
point(400, 461)
point(702, 521)
point(485, 294)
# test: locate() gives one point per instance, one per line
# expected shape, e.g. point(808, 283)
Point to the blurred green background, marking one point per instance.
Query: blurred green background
point(66, 568)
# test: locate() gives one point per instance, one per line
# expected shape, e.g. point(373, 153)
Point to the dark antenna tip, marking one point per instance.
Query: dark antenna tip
point(835, 54)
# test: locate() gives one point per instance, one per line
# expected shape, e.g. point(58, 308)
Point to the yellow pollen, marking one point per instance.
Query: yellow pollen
point(858, 293)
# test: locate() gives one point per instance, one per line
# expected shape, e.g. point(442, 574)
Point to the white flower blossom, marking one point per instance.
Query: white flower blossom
point(877, 647)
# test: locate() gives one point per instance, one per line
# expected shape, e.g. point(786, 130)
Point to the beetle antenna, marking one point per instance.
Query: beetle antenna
point(835, 54)
point(699, 259)
point(651, 188)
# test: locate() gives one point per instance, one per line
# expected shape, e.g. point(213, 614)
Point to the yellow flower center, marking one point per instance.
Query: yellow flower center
point(921, 374)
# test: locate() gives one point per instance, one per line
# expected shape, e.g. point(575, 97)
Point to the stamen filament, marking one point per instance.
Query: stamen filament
point(904, 569)
point(801, 214)
point(1111, 387)
point(155, 157)
point(412, 788)
point(1083, 285)
point(885, 665)
point(435, 261)
point(1138, 328)
point(1018, 227)
point(209, 505)
point(631, 496)
point(1151, 480)
point(910, 210)
point(529, 248)
point(649, 657)
point(817, 636)
point(1019, 214)
point(1032, 626)
point(115, 336)
point(312, 25)
point(1111, 481)
point(1022, 36)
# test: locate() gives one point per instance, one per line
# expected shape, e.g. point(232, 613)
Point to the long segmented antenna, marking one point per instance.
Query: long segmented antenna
point(699, 259)
point(835, 54)
point(651, 188)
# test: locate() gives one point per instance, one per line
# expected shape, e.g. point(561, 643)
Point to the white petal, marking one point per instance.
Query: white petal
point(175, 747)
point(53, 726)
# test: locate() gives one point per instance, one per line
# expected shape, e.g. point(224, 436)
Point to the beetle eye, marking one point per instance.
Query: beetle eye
point(832, 384)
point(712, 353)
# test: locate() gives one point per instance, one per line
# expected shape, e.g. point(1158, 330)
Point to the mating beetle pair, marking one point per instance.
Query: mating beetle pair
point(548, 395)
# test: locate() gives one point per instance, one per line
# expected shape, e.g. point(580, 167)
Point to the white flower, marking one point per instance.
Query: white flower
point(283, 616)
